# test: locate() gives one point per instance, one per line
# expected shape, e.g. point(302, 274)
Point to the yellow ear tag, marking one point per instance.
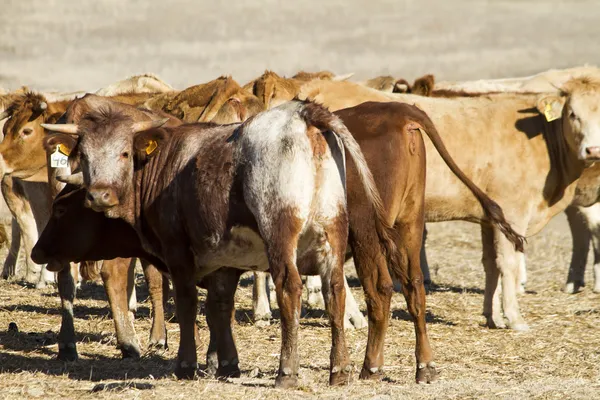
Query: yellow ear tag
point(63, 149)
point(152, 145)
point(550, 116)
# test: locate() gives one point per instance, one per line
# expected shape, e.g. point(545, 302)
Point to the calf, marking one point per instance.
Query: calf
point(265, 194)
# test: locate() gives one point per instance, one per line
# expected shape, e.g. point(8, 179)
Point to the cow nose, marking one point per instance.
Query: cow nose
point(101, 198)
point(592, 153)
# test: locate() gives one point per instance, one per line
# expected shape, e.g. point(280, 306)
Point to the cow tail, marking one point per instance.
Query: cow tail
point(492, 210)
point(321, 118)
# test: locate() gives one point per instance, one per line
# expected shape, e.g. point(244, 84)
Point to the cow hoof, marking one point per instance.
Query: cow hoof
point(340, 376)
point(263, 321)
point(41, 285)
point(372, 374)
point(496, 323)
point(130, 351)
point(160, 344)
point(286, 381)
point(520, 326)
point(574, 287)
point(426, 373)
point(185, 370)
point(67, 352)
point(228, 371)
point(596, 289)
point(521, 288)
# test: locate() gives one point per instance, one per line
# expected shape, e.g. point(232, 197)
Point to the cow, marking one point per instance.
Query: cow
point(237, 195)
point(264, 86)
point(144, 83)
point(553, 137)
point(583, 214)
point(221, 101)
point(22, 159)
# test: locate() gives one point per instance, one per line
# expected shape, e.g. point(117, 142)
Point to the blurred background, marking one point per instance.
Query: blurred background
point(84, 45)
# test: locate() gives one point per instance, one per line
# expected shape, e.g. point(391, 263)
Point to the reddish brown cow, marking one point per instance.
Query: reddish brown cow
point(390, 137)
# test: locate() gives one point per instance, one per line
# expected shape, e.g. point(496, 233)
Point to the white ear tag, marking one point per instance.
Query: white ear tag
point(58, 159)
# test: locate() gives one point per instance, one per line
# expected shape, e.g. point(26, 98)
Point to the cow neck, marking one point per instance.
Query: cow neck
point(564, 164)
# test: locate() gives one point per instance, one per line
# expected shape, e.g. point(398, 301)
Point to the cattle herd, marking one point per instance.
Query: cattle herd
point(293, 176)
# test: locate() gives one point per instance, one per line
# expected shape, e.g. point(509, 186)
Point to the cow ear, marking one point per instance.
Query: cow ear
point(551, 106)
point(64, 142)
point(147, 143)
point(424, 85)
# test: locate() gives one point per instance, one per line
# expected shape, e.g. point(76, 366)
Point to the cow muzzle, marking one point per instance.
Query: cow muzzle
point(592, 153)
point(101, 199)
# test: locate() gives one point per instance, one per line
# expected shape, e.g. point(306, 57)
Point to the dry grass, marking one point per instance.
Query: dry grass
point(558, 358)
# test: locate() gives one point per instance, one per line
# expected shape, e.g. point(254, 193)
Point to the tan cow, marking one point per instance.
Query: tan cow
point(221, 101)
point(583, 215)
point(144, 83)
point(511, 146)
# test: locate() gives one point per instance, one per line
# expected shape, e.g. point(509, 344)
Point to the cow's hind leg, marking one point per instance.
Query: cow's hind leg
point(492, 308)
point(334, 293)
point(260, 300)
point(117, 276)
point(158, 288)
point(413, 288)
point(221, 286)
point(281, 252)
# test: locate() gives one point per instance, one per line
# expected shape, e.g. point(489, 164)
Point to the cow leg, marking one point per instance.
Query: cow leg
point(221, 286)
point(67, 348)
point(10, 263)
point(492, 308)
point(593, 216)
point(260, 300)
point(158, 287)
point(377, 284)
point(582, 236)
point(334, 287)
point(507, 262)
point(20, 208)
point(314, 299)
point(182, 270)
point(118, 283)
point(424, 263)
point(413, 288)
point(521, 273)
point(288, 288)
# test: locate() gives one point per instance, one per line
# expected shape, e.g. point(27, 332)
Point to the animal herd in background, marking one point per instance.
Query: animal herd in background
point(301, 167)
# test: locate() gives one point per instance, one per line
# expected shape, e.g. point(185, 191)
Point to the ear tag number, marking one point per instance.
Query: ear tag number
point(152, 145)
point(58, 159)
point(548, 112)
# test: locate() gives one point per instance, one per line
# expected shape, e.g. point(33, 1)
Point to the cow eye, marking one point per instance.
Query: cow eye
point(125, 155)
point(572, 115)
point(27, 131)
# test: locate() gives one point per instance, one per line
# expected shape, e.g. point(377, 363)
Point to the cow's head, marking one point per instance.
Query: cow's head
point(75, 233)
point(578, 107)
point(108, 144)
point(22, 150)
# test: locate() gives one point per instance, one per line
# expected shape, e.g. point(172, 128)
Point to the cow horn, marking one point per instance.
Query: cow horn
point(73, 179)
point(70, 129)
point(145, 125)
point(343, 77)
point(4, 115)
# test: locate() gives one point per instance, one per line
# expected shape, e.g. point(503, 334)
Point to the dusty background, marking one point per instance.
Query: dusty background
point(84, 45)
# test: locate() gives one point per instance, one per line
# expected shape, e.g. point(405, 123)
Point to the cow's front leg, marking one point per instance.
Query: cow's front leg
point(221, 286)
point(582, 236)
point(67, 348)
point(182, 270)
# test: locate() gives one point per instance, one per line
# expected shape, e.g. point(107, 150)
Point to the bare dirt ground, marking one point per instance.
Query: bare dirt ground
point(67, 45)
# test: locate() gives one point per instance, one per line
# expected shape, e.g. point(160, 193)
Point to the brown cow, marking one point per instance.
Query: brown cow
point(264, 210)
point(506, 132)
